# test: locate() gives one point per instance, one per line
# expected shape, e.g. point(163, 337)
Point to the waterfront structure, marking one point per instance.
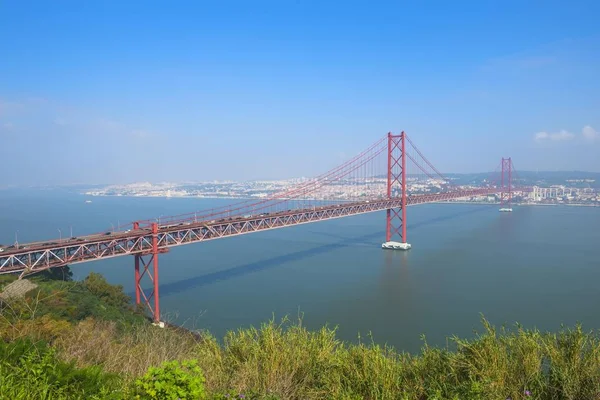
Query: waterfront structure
point(350, 189)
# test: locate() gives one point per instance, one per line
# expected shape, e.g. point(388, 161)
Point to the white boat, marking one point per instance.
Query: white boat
point(505, 209)
point(395, 246)
point(88, 201)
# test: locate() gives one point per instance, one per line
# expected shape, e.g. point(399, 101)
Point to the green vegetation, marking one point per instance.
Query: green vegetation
point(70, 340)
point(173, 380)
point(33, 371)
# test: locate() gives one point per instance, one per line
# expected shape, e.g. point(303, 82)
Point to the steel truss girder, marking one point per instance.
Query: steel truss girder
point(40, 257)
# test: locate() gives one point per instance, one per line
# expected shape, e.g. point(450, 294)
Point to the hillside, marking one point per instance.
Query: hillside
point(578, 179)
point(70, 340)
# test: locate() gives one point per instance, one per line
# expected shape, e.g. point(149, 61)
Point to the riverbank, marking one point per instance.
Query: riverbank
point(234, 198)
point(112, 347)
point(559, 205)
point(520, 204)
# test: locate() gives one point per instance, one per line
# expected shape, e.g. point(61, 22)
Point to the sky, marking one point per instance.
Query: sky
point(128, 91)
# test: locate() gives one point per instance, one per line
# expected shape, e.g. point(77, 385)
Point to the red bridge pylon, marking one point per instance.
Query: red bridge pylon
point(149, 261)
point(396, 181)
point(506, 185)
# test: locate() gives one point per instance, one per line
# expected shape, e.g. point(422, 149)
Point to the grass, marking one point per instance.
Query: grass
point(32, 370)
point(90, 327)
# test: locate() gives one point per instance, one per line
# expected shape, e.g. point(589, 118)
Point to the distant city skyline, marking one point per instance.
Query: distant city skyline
point(568, 178)
point(115, 93)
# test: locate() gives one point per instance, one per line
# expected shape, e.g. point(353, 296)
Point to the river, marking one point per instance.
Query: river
point(539, 266)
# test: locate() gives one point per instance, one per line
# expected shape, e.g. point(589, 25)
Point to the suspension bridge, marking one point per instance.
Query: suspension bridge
point(374, 180)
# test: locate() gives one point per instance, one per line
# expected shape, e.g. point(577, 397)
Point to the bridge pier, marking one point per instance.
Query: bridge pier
point(148, 260)
point(396, 175)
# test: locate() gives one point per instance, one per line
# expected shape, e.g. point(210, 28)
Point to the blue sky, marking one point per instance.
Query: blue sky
point(113, 92)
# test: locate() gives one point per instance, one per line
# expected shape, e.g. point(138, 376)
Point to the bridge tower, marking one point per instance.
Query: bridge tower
point(396, 181)
point(506, 185)
point(149, 261)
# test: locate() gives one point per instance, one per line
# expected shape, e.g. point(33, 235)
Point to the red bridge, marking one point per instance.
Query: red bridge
point(374, 180)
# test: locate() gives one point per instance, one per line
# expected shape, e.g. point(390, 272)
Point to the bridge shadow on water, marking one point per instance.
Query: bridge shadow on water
point(262, 265)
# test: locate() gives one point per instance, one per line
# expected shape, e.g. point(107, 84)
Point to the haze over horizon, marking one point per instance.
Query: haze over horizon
point(525, 174)
point(198, 91)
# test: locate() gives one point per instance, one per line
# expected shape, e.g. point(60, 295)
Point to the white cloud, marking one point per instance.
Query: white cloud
point(558, 136)
point(590, 134)
point(541, 136)
point(562, 135)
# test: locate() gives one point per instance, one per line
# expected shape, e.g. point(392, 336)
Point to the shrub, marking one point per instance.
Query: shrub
point(573, 364)
point(130, 353)
point(55, 274)
point(90, 326)
point(32, 370)
point(110, 294)
point(284, 359)
point(172, 380)
point(76, 301)
point(45, 328)
point(245, 396)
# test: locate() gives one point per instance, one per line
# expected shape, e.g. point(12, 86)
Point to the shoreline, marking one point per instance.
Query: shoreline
point(258, 198)
point(519, 204)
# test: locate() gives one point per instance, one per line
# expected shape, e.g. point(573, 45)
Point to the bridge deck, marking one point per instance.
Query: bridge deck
point(33, 257)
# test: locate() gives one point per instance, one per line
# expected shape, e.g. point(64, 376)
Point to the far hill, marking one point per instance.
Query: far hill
point(580, 179)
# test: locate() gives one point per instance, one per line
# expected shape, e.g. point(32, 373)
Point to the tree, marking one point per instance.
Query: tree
point(110, 294)
point(57, 274)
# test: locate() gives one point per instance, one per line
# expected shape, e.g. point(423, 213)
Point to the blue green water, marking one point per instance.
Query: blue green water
point(539, 266)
